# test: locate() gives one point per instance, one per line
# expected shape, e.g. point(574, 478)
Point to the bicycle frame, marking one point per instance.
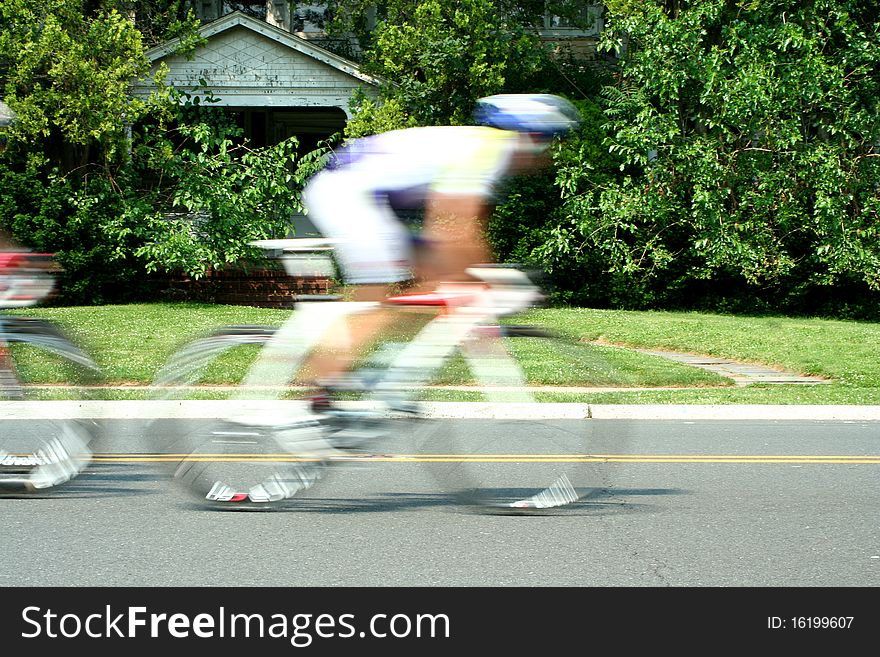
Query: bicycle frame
point(466, 322)
point(461, 314)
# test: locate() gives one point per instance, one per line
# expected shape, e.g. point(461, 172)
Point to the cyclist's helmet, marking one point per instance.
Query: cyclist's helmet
point(543, 114)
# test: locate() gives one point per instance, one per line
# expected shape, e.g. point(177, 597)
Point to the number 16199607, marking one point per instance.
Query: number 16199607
point(810, 622)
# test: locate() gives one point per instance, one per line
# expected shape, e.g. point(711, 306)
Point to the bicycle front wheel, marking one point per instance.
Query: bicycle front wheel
point(41, 446)
point(516, 454)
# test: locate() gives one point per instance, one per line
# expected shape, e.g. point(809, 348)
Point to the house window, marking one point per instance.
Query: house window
point(208, 10)
point(580, 19)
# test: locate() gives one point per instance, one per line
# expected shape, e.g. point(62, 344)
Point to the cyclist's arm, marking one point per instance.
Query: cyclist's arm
point(461, 199)
point(455, 226)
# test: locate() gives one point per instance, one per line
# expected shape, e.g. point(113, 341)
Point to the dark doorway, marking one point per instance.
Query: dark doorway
point(310, 125)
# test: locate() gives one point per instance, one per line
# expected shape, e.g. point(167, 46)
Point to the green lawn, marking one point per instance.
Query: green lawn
point(131, 343)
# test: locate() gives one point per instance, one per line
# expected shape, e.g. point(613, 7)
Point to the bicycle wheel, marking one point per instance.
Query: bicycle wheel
point(514, 454)
point(251, 451)
point(40, 448)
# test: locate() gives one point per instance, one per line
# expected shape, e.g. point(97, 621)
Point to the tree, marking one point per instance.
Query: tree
point(161, 20)
point(65, 67)
point(437, 59)
point(116, 186)
point(748, 133)
point(65, 72)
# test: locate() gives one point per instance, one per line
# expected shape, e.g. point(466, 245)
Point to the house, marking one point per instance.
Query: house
point(268, 67)
point(277, 83)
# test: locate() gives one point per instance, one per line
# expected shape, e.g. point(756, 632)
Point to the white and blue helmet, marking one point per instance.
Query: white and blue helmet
point(544, 114)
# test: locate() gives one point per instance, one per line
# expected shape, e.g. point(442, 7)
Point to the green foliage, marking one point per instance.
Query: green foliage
point(371, 116)
point(73, 218)
point(65, 67)
point(731, 163)
point(66, 75)
point(161, 20)
point(748, 138)
point(538, 221)
point(438, 58)
point(115, 186)
point(208, 193)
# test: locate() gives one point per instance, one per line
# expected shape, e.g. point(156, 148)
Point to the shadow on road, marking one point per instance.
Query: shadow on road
point(593, 503)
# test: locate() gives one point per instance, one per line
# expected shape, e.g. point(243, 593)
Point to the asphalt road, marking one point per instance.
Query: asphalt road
point(674, 503)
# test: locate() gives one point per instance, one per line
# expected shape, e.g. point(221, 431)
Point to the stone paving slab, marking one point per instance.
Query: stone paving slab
point(743, 374)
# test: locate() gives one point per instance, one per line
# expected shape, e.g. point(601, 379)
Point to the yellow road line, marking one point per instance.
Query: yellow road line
point(499, 458)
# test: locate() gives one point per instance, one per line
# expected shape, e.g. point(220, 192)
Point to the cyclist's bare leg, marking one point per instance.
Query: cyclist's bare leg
point(351, 335)
point(456, 241)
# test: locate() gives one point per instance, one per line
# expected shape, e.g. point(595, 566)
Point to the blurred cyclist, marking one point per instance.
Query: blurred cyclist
point(26, 278)
point(452, 174)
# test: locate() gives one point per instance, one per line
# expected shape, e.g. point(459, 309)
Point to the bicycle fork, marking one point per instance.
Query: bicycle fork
point(486, 355)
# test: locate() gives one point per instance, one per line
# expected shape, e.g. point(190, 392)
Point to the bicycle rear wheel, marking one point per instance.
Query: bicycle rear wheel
point(500, 465)
point(252, 452)
point(41, 447)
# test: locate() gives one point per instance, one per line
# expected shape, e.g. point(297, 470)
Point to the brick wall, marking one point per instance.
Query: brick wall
point(265, 287)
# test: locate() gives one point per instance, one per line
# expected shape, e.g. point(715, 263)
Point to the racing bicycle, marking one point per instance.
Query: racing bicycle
point(270, 446)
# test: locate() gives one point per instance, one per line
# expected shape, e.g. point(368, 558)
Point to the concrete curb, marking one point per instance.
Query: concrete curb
point(192, 409)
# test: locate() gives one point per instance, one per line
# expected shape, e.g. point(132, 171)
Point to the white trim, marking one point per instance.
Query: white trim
point(288, 39)
point(155, 409)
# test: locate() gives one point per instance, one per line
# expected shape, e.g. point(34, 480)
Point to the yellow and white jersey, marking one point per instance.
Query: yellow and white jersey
point(444, 159)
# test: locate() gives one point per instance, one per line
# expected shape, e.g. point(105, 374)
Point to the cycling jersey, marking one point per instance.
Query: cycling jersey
point(351, 200)
point(444, 159)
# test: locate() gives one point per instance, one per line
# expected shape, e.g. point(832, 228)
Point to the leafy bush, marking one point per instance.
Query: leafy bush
point(204, 194)
point(747, 135)
point(169, 208)
point(75, 220)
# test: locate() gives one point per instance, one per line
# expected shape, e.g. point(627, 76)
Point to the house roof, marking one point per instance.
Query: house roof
point(303, 46)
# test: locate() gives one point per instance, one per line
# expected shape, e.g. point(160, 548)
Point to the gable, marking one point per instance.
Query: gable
point(248, 63)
